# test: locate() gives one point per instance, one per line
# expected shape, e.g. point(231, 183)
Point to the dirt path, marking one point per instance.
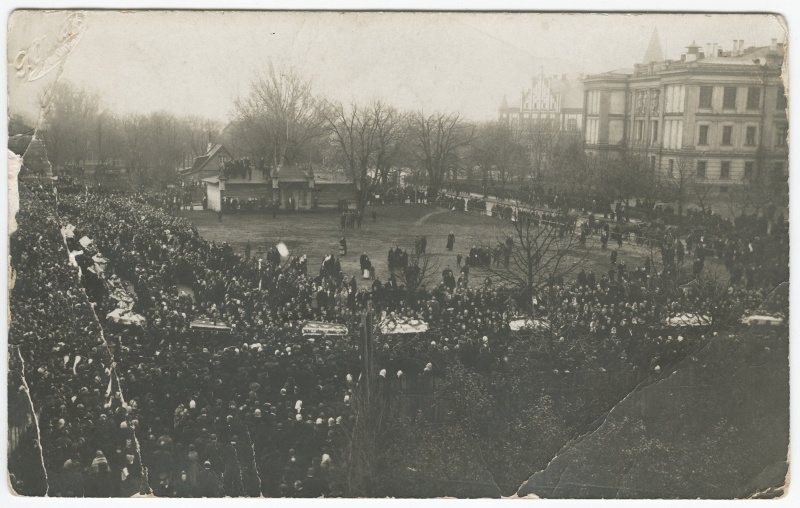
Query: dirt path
point(422, 219)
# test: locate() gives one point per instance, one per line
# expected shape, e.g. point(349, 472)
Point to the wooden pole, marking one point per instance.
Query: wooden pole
point(367, 348)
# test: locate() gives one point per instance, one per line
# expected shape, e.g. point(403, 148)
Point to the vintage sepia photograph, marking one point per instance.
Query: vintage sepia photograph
point(318, 254)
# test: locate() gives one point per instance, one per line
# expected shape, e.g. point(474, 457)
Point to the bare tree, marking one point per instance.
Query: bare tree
point(282, 114)
point(198, 133)
point(107, 142)
point(244, 135)
point(702, 194)
point(438, 141)
point(151, 146)
point(569, 161)
point(626, 178)
point(391, 139)
point(596, 171)
point(536, 250)
point(606, 173)
point(753, 194)
point(422, 271)
point(354, 132)
point(540, 135)
point(134, 142)
point(482, 152)
point(495, 150)
point(70, 118)
point(163, 141)
point(682, 184)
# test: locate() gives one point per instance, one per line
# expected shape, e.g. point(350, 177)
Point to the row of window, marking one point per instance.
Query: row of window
point(727, 135)
point(570, 124)
point(541, 106)
point(674, 130)
point(729, 94)
point(675, 95)
point(724, 170)
point(729, 97)
point(673, 133)
point(750, 136)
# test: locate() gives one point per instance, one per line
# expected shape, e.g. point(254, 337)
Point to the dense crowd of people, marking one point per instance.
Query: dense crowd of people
point(398, 194)
point(241, 168)
point(454, 203)
point(179, 197)
point(257, 407)
point(252, 204)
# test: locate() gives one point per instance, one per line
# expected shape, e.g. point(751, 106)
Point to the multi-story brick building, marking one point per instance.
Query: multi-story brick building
point(723, 112)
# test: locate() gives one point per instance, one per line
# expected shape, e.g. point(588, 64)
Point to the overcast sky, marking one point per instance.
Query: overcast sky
point(199, 62)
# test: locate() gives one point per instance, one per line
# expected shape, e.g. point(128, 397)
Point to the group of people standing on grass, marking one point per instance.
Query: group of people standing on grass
point(397, 259)
point(350, 219)
point(263, 409)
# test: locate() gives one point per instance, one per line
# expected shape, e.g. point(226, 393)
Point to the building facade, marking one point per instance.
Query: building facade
point(207, 165)
point(291, 187)
point(720, 112)
point(555, 100)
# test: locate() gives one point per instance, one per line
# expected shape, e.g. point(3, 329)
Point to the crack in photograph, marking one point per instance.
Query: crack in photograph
point(309, 254)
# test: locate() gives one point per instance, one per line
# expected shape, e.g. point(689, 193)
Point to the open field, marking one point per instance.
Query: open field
point(317, 234)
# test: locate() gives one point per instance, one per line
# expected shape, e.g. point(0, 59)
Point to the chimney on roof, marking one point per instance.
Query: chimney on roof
point(691, 52)
point(735, 48)
point(741, 47)
point(773, 46)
